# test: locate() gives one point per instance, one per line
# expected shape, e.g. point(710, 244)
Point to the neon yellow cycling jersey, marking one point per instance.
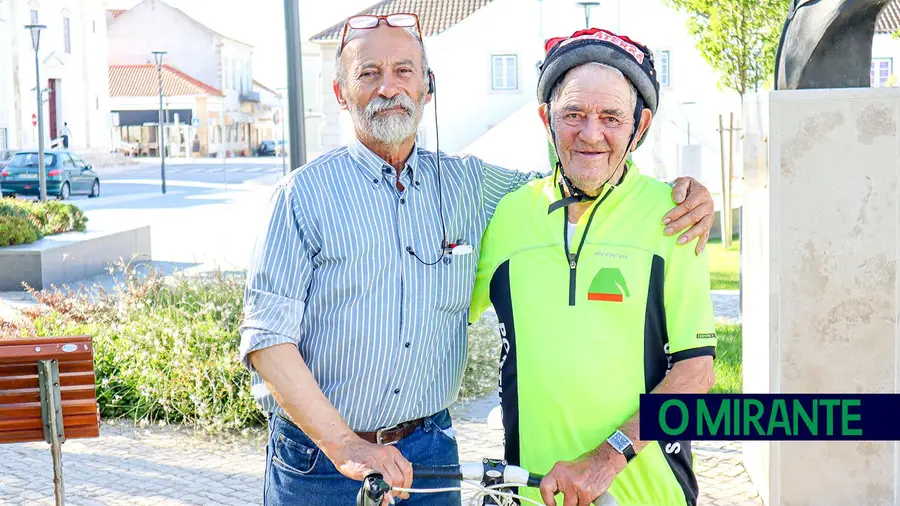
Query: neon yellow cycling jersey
point(586, 329)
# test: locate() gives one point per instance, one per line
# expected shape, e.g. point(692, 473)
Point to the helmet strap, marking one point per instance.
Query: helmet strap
point(577, 195)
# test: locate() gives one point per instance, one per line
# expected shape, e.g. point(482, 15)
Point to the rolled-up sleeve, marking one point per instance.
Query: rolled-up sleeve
point(278, 277)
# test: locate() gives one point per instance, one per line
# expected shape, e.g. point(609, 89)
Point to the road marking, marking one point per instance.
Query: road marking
point(102, 201)
point(188, 184)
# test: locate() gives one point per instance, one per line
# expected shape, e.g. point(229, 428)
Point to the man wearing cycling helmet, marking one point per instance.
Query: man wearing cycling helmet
point(596, 306)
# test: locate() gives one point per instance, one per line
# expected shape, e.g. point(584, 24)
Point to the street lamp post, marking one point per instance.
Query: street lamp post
point(587, 11)
point(158, 56)
point(36, 43)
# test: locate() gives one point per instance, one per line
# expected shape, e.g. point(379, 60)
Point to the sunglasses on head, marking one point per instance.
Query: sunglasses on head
point(368, 21)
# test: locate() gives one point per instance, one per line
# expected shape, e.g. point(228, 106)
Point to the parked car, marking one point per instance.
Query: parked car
point(67, 175)
point(266, 148)
point(6, 157)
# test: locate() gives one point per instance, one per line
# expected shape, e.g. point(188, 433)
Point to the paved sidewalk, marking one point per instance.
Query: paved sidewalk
point(130, 465)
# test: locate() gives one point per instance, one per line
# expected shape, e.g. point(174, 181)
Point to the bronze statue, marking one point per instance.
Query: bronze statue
point(827, 44)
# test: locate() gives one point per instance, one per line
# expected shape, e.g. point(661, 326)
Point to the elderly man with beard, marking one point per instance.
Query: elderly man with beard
point(355, 309)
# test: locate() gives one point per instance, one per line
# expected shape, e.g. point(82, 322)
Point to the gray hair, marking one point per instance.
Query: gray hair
point(340, 71)
point(557, 88)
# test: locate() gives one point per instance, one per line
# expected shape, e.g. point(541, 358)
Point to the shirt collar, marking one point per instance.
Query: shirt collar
point(374, 166)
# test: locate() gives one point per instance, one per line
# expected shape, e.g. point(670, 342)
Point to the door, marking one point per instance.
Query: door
point(69, 172)
point(82, 177)
point(51, 104)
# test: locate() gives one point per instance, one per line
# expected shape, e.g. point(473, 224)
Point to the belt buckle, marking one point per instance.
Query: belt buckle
point(379, 435)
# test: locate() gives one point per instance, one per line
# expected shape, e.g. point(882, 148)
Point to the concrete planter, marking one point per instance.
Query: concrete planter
point(64, 258)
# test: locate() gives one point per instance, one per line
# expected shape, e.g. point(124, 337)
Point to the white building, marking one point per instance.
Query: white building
point(886, 49)
point(72, 60)
point(191, 108)
point(197, 51)
point(485, 55)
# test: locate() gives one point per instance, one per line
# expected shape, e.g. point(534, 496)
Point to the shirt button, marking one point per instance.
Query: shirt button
point(396, 390)
point(375, 181)
point(409, 249)
point(406, 345)
point(417, 183)
point(402, 201)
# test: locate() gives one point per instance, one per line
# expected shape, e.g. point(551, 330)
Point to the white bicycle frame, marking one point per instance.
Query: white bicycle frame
point(474, 475)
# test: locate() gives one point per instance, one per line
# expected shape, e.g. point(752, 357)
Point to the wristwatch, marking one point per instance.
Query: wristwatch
point(622, 444)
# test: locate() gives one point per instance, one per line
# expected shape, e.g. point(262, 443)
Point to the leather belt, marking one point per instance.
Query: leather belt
point(391, 435)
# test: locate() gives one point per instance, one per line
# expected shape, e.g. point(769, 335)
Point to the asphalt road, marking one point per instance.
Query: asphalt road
point(209, 214)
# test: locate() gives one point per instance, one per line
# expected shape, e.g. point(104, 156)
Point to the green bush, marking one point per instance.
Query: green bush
point(482, 369)
point(50, 217)
point(17, 230)
point(165, 351)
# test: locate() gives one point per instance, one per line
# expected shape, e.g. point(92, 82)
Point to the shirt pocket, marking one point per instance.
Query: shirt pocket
point(455, 283)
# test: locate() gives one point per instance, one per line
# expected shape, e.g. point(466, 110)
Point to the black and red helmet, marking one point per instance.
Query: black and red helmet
point(631, 58)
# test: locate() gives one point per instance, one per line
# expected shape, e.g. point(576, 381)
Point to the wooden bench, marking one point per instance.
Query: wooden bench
point(47, 393)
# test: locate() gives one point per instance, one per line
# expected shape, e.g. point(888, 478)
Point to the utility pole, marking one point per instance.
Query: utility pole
point(727, 176)
point(296, 114)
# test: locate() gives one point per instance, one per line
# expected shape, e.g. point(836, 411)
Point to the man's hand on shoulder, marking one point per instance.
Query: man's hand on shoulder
point(584, 479)
point(695, 209)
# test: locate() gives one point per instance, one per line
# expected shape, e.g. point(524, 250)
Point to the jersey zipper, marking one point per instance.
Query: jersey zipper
point(573, 258)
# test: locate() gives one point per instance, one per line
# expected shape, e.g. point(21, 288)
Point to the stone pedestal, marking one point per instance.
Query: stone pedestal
point(820, 302)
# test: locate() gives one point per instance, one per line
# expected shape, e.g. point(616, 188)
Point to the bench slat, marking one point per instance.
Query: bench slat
point(31, 367)
point(32, 381)
point(25, 354)
point(24, 436)
point(67, 393)
point(28, 415)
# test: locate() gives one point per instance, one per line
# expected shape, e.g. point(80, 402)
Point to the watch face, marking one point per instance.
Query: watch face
point(619, 441)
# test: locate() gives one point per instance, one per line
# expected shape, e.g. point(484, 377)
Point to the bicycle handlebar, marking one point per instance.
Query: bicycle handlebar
point(488, 471)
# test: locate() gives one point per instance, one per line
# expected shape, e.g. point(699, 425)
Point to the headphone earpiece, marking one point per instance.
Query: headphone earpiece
point(430, 82)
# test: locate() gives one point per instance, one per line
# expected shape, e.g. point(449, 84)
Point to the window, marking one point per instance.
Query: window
point(664, 69)
point(34, 17)
point(67, 36)
point(225, 82)
point(504, 72)
point(4, 143)
point(881, 71)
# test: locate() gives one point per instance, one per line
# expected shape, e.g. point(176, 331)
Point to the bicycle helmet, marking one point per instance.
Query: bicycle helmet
point(633, 59)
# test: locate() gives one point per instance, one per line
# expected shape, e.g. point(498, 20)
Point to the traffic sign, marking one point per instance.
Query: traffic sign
point(195, 122)
point(34, 120)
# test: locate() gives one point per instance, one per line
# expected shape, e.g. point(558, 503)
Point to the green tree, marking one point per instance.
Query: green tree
point(739, 38)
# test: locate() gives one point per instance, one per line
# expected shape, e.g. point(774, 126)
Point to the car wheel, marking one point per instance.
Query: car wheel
point(65, 191)
point(95, 189)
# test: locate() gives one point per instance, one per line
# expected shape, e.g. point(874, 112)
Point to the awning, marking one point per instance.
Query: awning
point(141, 118)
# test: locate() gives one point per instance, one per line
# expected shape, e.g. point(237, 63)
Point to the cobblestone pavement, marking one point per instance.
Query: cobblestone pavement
point(130, 465)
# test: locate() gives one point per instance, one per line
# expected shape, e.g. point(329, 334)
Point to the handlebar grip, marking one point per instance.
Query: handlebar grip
point(372, 490)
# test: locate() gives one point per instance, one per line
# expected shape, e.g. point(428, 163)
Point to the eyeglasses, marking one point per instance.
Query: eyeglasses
point(367, 21)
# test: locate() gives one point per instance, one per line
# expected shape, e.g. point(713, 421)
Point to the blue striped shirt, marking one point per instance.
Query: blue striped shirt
point(384, 335)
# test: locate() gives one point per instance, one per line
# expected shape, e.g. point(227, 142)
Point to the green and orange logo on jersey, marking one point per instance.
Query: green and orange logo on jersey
point(609, 286)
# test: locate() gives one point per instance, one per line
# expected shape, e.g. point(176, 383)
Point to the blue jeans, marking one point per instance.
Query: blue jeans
point(299, 474)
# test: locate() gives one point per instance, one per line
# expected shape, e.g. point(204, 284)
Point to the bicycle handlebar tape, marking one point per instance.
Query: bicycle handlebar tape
point(534, 480)
point(439, 472)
